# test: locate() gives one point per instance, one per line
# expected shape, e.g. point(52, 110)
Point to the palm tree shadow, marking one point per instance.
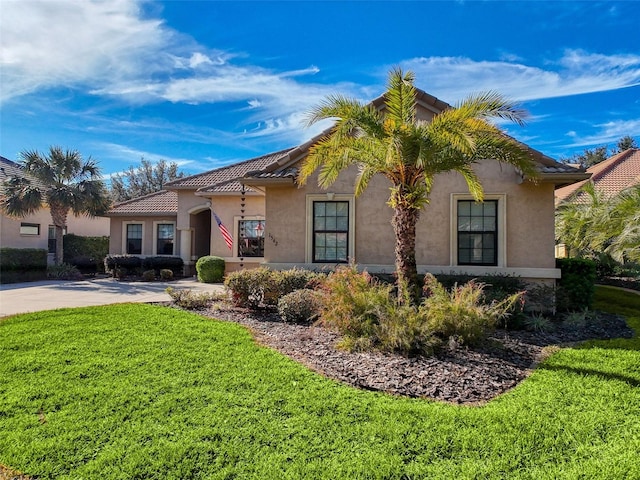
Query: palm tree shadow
point(634, 382)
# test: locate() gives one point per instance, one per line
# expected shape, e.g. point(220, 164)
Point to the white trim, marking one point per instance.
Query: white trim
point(236, 236)
point(435, 269)
point(124, 236)
point(502, 228)
point(351, 239)
point(155, 237)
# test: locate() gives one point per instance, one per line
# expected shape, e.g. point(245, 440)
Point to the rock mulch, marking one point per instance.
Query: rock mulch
point(458, 375)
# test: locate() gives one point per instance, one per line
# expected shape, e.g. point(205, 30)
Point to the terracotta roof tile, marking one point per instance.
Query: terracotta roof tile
point(610, 176)
point(159, 203)
point(207, 181)
point(10, 169)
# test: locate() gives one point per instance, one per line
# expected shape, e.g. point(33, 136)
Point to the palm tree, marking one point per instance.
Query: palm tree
point(61, 180)
point(411, 153)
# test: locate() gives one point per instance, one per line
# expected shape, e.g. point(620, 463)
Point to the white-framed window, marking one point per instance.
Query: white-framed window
point(30, 229)
point(132, 238)
point(164, 236)
point(330, 228)
point(248, 236)
point(478, 230)
point(251, 238)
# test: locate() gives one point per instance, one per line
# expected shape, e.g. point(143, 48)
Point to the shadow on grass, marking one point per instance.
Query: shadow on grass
point(634, 382)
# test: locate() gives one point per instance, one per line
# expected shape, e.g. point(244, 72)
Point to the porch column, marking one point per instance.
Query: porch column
point(185, 248)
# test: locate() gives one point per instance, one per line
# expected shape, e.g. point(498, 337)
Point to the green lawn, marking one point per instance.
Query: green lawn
point(138, 391)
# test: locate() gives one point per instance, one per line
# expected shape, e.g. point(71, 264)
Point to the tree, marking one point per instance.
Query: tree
point(594, 225)
point(625, 143)
point(143, 180)
point(410, 153)
point(61, 180)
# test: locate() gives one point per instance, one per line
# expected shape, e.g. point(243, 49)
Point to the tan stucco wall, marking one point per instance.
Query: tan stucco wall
point(529, 220)
point(228, 208)
point(84, 226)
point(116, 246)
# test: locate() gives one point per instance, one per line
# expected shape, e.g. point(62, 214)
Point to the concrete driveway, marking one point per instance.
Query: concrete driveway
point(51, 294)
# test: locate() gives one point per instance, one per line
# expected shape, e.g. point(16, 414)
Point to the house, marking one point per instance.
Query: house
point(609, 177)
point(37, 230)
point(275, 222)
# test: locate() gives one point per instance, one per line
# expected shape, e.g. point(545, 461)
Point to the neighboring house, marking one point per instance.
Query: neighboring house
point(609, 177)
point(276, 222)
point(37, 230)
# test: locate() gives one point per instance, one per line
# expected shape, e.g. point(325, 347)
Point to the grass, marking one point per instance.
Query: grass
point(138, 391)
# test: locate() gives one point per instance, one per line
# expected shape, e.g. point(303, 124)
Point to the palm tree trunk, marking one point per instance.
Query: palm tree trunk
point(59, 217)
point(404, 226)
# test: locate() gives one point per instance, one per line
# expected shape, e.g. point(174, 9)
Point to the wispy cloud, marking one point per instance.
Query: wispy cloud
point(607, 133)
point(575, 72)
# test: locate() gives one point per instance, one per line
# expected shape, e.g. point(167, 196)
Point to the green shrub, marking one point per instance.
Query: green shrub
point(300, 306)
point(261, 286)
point(86, 253)
point(577, 285)
point(149, 275)
point(210, 269)
point(189, 299)
point(497, 287)
point(121, 262)
point(166, 274)
point(22, 264)
point(175, 264)
point(461, 313)
point(64, 271)
point(539, 323)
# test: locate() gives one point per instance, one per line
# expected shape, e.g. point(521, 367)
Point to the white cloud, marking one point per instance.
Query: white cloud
point(576, 72)
point(608, 133)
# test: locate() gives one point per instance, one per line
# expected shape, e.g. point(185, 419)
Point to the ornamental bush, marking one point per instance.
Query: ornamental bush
point(210, 269)
point(576, 287)
point(86, 253)
point(300, 306)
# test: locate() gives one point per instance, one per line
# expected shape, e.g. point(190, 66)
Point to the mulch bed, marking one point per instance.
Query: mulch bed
point(458, 375)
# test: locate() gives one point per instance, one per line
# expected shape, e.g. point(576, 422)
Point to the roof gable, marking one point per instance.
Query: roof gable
point(158, 203)
point(609, 177)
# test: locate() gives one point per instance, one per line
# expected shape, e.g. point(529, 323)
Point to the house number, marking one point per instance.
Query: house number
point(273, 240)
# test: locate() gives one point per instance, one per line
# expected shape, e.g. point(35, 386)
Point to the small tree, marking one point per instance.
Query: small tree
point(62, 181)
point(143, 180)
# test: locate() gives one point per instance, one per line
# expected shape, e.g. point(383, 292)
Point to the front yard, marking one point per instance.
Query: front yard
point(139, 391)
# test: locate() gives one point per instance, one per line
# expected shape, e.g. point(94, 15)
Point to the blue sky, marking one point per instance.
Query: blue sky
point(209, 83)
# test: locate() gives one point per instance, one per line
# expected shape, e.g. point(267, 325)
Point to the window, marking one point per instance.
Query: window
point(52, 239)
point(330, 231)
point(477, 227)
point(29, 229)
point(165, 233)
point(251, 238)
point(134, 238)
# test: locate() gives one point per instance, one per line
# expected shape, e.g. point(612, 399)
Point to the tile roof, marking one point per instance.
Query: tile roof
point(10, 169)
point(225, 176)
point(610, 176)
point(158, 203)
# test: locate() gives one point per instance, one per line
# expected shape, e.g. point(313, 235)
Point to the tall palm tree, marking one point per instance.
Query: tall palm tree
point(411, 153)
point(61, 180)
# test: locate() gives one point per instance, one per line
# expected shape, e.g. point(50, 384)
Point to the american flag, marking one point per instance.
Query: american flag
point(223, 230)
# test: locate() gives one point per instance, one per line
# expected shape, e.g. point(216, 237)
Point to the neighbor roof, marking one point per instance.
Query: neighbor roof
point(10, 169)
point(158, 203)
point(223, 179)
point(609, 177)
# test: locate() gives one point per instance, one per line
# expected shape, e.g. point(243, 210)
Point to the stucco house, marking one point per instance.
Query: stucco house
point(275, 222)
point(37, 230)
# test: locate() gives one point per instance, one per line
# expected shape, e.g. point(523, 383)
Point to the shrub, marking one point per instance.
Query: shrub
point(166, 274)
point(497, 287)
point(461, 313)
point(121, 262)
point(539, 323)
point(86, 253)
point(578, 320)
point(175, 264)
point(262, 286)
point(22, 264)
point(189, 299)
point(210, 269)
point(149, 275)
point(300, 306)
point(577, 285)
point(64, 271)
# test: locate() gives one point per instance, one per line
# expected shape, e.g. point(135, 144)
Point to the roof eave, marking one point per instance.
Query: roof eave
point(141, 214)
point(253, 181)
point(563, 179)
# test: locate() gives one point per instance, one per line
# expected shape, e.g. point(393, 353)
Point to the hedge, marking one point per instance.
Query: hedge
point(22, 264)
point(577, 284)
point(136, 265)
point(85, 253)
